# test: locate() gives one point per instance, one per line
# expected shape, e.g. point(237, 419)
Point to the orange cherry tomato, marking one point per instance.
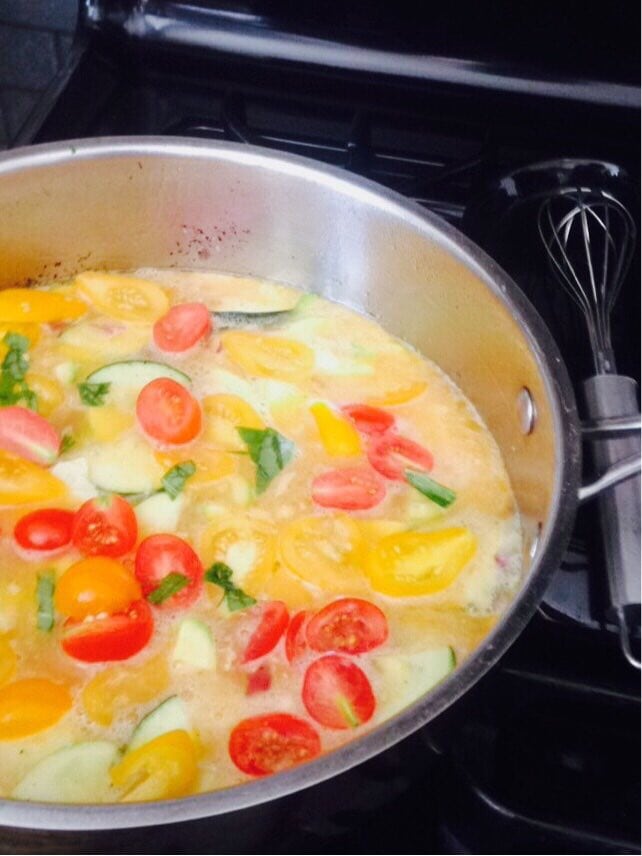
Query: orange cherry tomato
point(182, 327)
point(168, 412)
point(31, 705)
point(93, 586)
point(268, 744)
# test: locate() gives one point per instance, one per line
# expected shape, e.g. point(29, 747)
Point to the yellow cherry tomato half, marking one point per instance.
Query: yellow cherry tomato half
point(108, 422)
point(339, 436)
point(48, 391)
point(165, 767)
point(94, 585)
point(412, 564)
point(122, 296)
point(118, 688)
point(278, 583)
point(22, 482)
point(29, 331)
point(28, 305)
point(398, 395)
point(8, 660)
point(224, 414)
point(31, 705)
point(325, 551)
point(247, 546)
point(268, 356)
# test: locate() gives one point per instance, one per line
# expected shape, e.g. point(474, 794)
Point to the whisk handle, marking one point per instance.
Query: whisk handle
point(607, 397)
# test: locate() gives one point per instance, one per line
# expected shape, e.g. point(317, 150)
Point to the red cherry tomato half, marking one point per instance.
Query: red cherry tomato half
point(161, 555)
point(116, 637)
point(28, 435)
point(272, 621)
point(351, 489)
point(337, 693)
point(182, 327)
point(47, 529)
point(349, 625)
point(259, 681)
point(272, 743)
point(391, 453)
point(105, 526)
point(168, 412)
point(295, 639)
point(369, 420)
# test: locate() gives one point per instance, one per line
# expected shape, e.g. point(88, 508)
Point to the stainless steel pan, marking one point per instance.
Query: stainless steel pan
point(124, 203)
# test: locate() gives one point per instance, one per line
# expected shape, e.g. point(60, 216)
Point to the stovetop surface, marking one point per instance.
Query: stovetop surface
point(543, 754)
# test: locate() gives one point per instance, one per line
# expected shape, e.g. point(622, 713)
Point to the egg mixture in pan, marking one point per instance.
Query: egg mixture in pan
point(240, 526)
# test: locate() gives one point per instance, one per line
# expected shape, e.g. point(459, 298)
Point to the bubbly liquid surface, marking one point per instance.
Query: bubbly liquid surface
point(353, 360)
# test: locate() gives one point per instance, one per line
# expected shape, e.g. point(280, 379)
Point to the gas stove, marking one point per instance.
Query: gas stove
point(542, 756)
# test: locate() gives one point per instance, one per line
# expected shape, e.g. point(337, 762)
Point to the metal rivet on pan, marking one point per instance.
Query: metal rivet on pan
point(526, 410)
point(537, 535)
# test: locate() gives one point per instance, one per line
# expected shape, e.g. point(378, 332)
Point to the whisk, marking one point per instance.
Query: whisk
point(590, 237)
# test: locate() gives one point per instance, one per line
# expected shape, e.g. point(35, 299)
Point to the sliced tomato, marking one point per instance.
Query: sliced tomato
point(390, 454)
point(28, 435)
point(351, 489)
point(94, 586)
point(168, 412)
point(105, 526)
point(337, 693)
point(270, 620)
point(271, 743)
point(260, 680)
point(182, 327)
point(349, 625)
point(369, 420)
point(45, 530)
point(116, 637)
point(161, 555)
point(295, 639)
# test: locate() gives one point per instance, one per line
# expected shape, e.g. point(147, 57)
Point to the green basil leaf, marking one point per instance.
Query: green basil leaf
point(13, 387)
point(45, 593)
point(221, 575)
point(93, 394)
point(66, 443)
point(269, 450)
point(174, 479)
point(431, 489)
point(169, 586)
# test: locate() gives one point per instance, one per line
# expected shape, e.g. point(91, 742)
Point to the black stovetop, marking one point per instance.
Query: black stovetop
point(543, 754)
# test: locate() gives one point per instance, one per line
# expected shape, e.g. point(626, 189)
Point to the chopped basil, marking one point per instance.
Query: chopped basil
point(269, 450)
point(170, 585)
point(93, 394)
point(45, 592)
point(221, 575)
point(438, 493)
point(174, 479)
point(13, 386)
point(66, 443)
